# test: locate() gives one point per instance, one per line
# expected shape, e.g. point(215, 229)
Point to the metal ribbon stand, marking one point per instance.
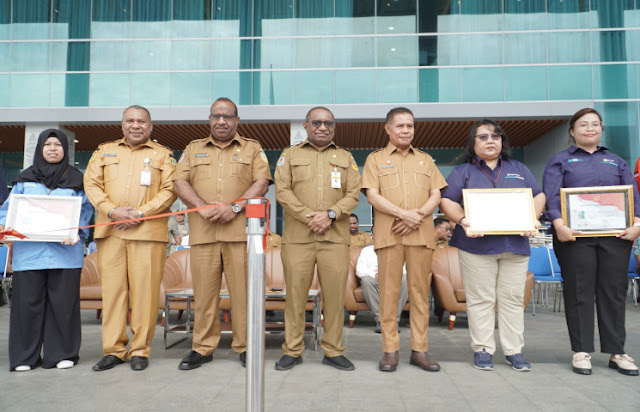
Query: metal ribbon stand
point(256, 212)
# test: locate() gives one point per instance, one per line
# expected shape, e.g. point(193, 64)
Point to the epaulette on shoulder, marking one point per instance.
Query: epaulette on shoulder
point(165, 147)
point(248, 139)
point(108, 143)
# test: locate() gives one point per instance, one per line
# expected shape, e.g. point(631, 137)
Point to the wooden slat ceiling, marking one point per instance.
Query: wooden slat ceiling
point(275, 136)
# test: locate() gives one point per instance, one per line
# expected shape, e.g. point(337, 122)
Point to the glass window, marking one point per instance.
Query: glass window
point(610, 14)
point(150, 18)
point(57, 94)
point(150, 89)
point(525, 15)
point(190, 55)
point(59, 51)
point(191, 89)
point(615, 81)
point(109, 55)
point(525, 48)
point(273, 18)
point(569, 47)
point(192, 10)
point(71, 19)
point(570, 83)
point(273, 88)
point(150, 55)
point(397, 51)
point(355, 17)
point(110, 19)
point(4, 90)
point(29, 90)
point(29, 57)
point(355, 52)
point(232, 18)
point(313, 87)
point(5, 19)
point(611, 46)
point(314, 52)
point(396, 8)
point(314, 17)
point(4, 57)
point(482, 85)
point(273, 54)
point(483, 15)
point(31, 19)
point(525, 83)
point(397, 86)
point(230, 84)
point(621, 128)
point(355, 86)
point(438, 16)
point(186, 28)
point(446, 50)
point(77, 89)
point(440, 85)
point(567, 14)
point(225, 54)
point(107, 89)
point(481, 49)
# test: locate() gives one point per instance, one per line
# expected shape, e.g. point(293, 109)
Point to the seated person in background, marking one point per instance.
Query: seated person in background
point(443, 231)
point(367, 271)
point(358, 238)
point(273, 240)
point(178, 230)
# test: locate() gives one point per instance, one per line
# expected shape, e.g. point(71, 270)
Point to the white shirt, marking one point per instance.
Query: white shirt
point(367, 264)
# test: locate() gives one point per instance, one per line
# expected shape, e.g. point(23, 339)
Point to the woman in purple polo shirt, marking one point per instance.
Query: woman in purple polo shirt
point(494, 268)
point(592, 267)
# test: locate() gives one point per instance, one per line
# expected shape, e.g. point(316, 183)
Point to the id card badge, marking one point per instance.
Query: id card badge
point(145, 175)
point(335, 180)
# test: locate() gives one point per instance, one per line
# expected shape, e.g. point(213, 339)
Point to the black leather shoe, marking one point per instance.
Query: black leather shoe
point(194, 360)
point(107, 363)
point(139, 363)
point(243, 359)
point(378, 328)
point(339, 362)
point(287, 362)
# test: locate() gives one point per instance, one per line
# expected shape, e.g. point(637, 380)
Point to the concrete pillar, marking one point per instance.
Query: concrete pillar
point(31, 133)
point(298, 134)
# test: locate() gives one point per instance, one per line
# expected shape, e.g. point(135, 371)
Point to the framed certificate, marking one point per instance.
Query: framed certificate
point(44, 218)
point(499, 211)
point(597, 211)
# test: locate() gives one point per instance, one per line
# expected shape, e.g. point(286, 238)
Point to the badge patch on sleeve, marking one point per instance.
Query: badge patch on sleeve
point(263, 157)
point(173, 161)
point(354, 165)
point(93, 156)
point(181, 157)
point(282, 159)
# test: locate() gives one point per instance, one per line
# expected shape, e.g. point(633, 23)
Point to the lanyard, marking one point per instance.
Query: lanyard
point(489, 177)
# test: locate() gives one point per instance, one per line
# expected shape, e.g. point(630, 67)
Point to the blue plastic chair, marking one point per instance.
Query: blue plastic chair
point(633, 278)
point(180, 247)
point(6, 282)
point(540, 264)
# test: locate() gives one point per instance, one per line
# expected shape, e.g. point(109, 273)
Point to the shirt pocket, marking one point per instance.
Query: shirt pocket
point(110, 170)
point(388, 178)
point(156, 168)
point(422, 178)
point(300, 170)
point(201, 168)
point(241, 168)
point(340, 166)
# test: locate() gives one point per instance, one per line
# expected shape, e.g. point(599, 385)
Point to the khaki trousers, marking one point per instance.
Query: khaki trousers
point(390, 262)
point(208, 261)
point(299, 261)
point(492, 281)
point(131, 273)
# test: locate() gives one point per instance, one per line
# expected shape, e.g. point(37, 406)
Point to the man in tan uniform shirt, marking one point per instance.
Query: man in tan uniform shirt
point(318, 185)
point(358, 238)
point(218, 170)
point(403, 185)
point(126, 179)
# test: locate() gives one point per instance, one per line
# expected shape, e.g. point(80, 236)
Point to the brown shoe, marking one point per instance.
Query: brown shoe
point(389, 362)
point(423, 360)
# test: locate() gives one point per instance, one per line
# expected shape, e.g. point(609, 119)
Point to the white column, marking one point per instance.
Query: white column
point(31, 133)
point(298, 134)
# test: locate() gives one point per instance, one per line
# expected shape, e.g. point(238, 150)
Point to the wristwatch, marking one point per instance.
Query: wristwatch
point(140, 214)
point(236, 208)
point(332, 215)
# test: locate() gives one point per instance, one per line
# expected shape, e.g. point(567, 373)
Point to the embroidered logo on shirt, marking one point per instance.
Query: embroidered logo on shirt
point(354, 165)
point(282, 160)
point(181, 157)
point(609, 161)
point(574, 160)
point(263, 157)
point(513, 176)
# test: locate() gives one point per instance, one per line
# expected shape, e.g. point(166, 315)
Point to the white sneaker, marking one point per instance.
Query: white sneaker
point(64, 364)
point(582, 363)
point(23, 368)
point(624, 364)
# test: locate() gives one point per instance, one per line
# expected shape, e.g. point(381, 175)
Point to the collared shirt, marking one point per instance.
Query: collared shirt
point(441, 244)
point(48, 255)
point(407, 182)
point(361, 239)
point(303, 185)
point(113, 180)
point(221, 175)
point(575, 167)
point(507, 174)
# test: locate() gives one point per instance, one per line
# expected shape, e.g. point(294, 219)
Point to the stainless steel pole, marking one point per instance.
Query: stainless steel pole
point(256, 227)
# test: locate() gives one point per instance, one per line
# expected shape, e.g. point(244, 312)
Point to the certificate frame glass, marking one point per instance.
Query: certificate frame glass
point(597, 211)
point(44, 218)
point(500, 211)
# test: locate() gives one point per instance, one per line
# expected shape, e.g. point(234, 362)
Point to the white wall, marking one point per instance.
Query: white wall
point(538, 153)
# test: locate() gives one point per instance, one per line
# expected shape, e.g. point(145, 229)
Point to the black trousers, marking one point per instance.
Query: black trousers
point(45, 316)
point(595, 269)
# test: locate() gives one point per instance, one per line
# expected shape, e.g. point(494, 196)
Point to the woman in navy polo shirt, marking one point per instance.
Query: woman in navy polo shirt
point(494, 268)
point(593, 268)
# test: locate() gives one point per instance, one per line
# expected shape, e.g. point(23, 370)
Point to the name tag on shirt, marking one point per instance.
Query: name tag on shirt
point(335, 180)
point(145, 178)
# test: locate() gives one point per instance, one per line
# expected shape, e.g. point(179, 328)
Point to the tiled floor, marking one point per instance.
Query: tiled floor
point(220, 385)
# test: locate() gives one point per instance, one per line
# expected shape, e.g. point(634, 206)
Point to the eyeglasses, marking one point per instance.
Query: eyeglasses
point(226, 117)
point(328, 123)
point(485, 137)
point(596, 125)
